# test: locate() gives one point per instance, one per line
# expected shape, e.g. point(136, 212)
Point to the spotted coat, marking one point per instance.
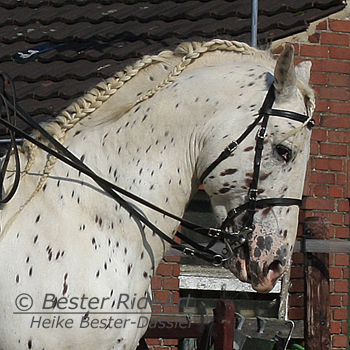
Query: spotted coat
point(65, 238)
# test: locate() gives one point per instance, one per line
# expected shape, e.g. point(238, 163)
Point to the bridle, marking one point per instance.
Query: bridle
point(231, 239)
point(253, 203)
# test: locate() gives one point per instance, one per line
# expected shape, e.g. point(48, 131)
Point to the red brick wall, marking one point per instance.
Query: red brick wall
point(328, 182)
point(328, 186)
point(166, 293)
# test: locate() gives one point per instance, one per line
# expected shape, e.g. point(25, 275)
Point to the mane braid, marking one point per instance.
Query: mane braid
point(94, 98)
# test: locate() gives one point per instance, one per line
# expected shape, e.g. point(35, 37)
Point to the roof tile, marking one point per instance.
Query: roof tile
point(57, 49)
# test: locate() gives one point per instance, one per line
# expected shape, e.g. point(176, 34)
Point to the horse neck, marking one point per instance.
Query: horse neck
point(145, 152)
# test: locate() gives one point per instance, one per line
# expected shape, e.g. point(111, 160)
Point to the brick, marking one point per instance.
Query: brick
point(339, 107)
point(278, 50)
point(336, 164)
point(296, 300)
point(341, 179)
point(339, 26)
point(335, 272)
point(165, 270)
point(335, 300)
point(335, 122)
point(153, 341)
point(297, 272)
point(321, 106)
point(297, 286)
point(340, 53)
point(314, 148)
point(339, 80)
point(314, 38)
point(348, 179)
point(176, 259)
point(162, 296)
point(298, 258)
point(335, 66)
point(316, 64)
point(336, 218)
point(333, 149)
point(340, 314)
point(156, 283)
point(171, 283)
point(322, 25)
point(334, 93)
point(320, 191)
point(318, 79)
point(321, 163)
point(171, 341)
point(322, 178)
point(334, 39)
point(176, 297)
point(342, 232)
point(335, 327)
point(170, 308)
point(314, 51)
point(343, 206)
point(335, 192)
point(319, 203)
point(176, 270)
point(347, 220)
point(319, 135)
point(339, 341)
point(296, 314)
point(341, 259)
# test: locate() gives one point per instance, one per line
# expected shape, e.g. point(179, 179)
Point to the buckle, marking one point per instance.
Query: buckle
point(214, 232)
point(253, 193)
point(188, 251)
point(261, 134)
point(232, 147)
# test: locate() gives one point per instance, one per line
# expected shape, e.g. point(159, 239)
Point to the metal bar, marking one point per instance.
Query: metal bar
point(254, 24)
point(322, 246)
point(306, 246)
point(9, 140)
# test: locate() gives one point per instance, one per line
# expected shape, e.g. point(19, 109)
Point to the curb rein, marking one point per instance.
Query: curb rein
point(194, 249)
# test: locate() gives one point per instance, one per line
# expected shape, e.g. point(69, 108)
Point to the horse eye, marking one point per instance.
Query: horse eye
point(284, 152)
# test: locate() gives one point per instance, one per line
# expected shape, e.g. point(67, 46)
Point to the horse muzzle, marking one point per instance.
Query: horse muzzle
point(260, 260)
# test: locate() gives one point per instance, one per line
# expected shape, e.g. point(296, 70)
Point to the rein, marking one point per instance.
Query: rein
point(204, 252)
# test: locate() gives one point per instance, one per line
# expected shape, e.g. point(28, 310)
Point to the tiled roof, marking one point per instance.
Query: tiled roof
point(82, 41)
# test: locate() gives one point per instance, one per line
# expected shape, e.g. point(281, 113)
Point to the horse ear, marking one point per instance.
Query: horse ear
point(285, 77)
point(303, 70)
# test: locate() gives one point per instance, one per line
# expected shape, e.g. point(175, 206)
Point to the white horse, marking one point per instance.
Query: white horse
point(76, 267)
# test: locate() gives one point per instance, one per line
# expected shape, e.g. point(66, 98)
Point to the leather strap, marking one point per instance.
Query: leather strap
point(261, 204)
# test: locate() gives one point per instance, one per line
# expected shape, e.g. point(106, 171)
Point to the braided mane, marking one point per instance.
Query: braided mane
point(173, 63)
point(176, 62)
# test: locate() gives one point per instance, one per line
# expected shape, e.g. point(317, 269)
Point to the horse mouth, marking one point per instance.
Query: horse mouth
point(260, 274)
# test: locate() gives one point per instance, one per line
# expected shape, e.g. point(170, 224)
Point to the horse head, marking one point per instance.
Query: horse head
point(256, 190)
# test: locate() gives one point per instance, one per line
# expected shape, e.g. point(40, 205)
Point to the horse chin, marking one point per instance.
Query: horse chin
point(262, 283)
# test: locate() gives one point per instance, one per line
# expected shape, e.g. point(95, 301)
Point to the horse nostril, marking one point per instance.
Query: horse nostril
point(275, 267)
